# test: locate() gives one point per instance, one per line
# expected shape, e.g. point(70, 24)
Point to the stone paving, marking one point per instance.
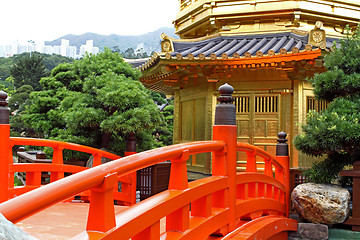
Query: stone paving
point(310, 231)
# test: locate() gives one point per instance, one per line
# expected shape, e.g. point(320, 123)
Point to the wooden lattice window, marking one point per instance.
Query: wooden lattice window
point(266, 104)
point(313, 104)
point(242, 104)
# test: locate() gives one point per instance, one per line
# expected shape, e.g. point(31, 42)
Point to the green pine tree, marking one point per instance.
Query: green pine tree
point(335, 132)
point(28, 69)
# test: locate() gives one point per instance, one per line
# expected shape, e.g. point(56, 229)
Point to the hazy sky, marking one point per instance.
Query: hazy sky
point(47, 20)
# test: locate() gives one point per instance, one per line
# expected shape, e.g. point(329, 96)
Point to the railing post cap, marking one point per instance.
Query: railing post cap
point(225, 113)
point(3, 97)
point(4, 111)
point(282, 148)
point(282, 137)
point(226, 89)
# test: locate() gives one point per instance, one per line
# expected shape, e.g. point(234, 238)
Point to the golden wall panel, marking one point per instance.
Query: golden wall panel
point(243, 128)
point(187, 120)
point(200, 116)
point(272, 128)
point(260, 129)
point(193, 119)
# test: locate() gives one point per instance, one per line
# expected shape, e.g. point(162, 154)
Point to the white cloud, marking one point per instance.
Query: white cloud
point(47, 20)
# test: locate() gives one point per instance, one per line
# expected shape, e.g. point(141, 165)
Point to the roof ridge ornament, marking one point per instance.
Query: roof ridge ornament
point(317, 36)
point(192, 39)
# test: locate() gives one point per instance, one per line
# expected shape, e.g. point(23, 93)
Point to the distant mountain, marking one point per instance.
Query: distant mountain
point(149, 41)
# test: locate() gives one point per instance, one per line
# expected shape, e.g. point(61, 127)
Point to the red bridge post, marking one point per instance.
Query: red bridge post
point(224, 163)
point(282, 156)
point(4, 147)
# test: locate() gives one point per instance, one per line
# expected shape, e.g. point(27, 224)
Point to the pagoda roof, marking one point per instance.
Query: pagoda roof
point(229, 50)
point(236, 46)
point(243, 44)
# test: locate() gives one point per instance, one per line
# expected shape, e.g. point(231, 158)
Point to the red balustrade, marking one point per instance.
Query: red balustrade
point(57, 169)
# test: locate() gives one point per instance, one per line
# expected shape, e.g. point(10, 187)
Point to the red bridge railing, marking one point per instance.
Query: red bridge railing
point(229, 203)
point(57, 169)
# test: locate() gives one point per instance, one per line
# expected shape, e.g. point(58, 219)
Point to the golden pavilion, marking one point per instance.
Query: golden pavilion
point(265, 49)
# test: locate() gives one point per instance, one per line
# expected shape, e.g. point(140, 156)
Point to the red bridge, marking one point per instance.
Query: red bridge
point(227, 205)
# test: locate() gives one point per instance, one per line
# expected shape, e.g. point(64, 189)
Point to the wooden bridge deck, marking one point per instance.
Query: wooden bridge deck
point(59, 222)
point(64, 221)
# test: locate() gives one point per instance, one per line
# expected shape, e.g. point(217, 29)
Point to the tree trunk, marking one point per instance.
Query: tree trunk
point(105, 140)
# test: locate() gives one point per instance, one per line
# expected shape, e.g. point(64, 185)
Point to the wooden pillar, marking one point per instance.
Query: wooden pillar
point(224, 163)
point(282, 156)
point(355, 219)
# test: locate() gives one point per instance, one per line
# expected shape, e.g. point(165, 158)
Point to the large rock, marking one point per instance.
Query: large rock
point(8, 231)
point(321, 203)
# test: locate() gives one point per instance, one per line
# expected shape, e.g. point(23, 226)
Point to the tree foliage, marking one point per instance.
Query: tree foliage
point(166, 132)
point(92, 101)
point(49, 61)
point(17, 104)
point(335, 132)
point(28, 70)
point(19, 97)
point(7, 86)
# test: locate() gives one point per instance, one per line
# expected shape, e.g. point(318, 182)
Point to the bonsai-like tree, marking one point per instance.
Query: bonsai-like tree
point(96, 101)
point(335, 132)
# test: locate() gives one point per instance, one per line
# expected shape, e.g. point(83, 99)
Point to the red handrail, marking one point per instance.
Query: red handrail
point(15, 209)
point(57, 168)
point(259, 152)
point(62, 145)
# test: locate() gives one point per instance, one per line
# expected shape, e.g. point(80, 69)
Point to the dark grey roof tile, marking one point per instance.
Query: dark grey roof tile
point(236, 47)
point(265, 48)
point(299, 45)
point(288, 46)
point(226, 47)
point(203, 49)
point(257, 46)
point(190, 50)
point(281, 42)
point(215, 48)
point(242, 50)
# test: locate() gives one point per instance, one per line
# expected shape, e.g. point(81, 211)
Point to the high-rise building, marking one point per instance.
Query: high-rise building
point(64, 49)
point(2, 51)
point(8, 50)
point(57, 50)
point(71, 52)
point(48, 49)
point(40, 47)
